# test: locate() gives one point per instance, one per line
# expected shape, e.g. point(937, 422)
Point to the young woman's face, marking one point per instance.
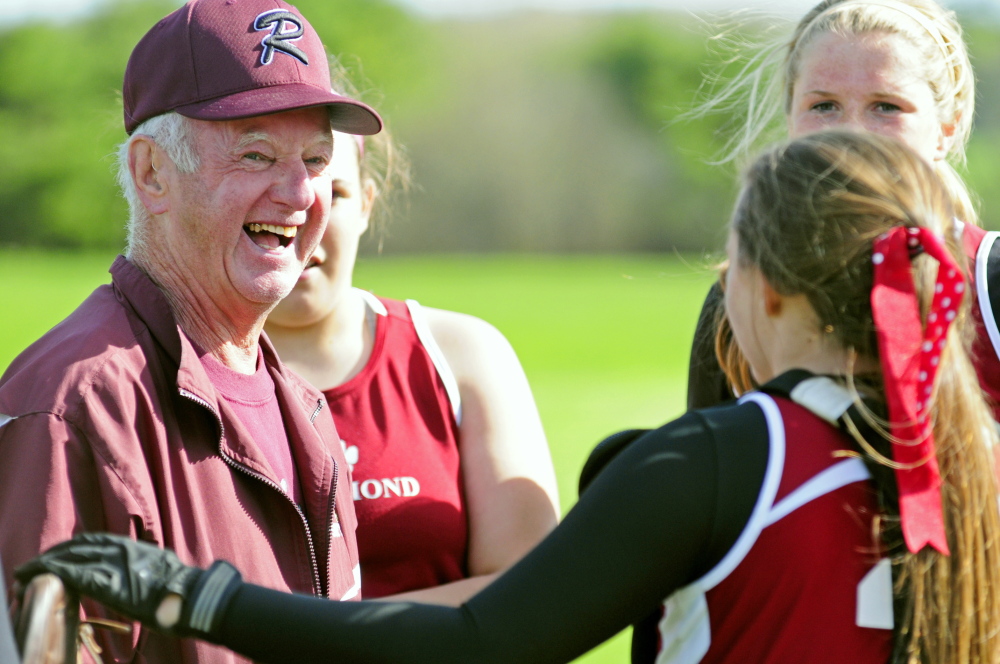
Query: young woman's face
point(870, 82)
point(328, 273)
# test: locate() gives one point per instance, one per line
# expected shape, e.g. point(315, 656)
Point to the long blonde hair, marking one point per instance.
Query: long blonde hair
point(760, 94)
point(808, 214)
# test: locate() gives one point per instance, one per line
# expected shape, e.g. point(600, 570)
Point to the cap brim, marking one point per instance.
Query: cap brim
point(346, 115)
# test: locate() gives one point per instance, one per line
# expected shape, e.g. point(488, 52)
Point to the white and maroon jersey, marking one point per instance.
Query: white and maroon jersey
point(983, 251)
point(803, 581)
point(398, 419)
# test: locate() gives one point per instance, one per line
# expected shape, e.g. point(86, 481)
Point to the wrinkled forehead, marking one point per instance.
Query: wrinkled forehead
point(290, 130)
point(252, 136)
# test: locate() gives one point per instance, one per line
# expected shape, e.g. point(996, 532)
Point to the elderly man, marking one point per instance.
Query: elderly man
point(157, 409)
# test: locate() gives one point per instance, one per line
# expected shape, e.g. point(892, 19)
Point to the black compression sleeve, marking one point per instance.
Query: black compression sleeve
point(661, 514)
point(707, 384)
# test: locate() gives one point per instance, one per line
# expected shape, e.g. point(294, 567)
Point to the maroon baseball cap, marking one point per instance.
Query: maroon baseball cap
point(229, 59)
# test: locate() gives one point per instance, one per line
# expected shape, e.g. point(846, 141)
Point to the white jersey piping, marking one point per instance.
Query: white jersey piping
point(765, 500)
point(4, 419)
point(829, 400)
point(840, 475)
point(373, 302)
point(423, 329)
point(426, 338)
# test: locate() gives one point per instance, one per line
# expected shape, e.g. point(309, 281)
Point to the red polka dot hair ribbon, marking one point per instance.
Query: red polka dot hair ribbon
point(910, 357)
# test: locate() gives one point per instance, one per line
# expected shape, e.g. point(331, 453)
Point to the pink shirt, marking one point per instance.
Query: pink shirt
point(253, 400)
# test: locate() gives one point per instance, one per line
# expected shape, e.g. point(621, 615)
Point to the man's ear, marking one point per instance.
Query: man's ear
point(773, 300)
point(148, 165)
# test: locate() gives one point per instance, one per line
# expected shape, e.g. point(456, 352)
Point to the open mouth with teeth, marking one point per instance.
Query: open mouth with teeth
point(270, 236)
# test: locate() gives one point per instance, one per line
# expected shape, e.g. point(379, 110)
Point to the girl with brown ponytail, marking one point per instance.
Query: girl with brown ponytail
point(804, 233)
point(843, 512)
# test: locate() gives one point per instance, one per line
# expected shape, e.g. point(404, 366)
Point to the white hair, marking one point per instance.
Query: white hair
point(171, 132)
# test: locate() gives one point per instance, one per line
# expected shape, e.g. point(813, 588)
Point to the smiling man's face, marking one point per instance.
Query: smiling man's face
point(327, 277)
point(245, 223)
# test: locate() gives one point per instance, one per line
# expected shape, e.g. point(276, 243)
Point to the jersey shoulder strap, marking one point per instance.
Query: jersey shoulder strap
point(375, 305)
point(820, 395)
point(825, 398)
point(832, 402)
point(426, 337)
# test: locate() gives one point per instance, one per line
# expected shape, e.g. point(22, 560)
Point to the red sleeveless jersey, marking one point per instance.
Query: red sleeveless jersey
point(802, 583)
point(400, 432)
point(979, 246)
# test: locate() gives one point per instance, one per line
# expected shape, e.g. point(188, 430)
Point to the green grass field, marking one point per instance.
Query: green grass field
point(604, 340)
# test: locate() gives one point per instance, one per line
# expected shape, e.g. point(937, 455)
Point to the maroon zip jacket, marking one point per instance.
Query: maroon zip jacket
point(109, 423)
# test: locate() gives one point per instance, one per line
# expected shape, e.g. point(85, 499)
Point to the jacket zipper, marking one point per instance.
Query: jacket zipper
point(317, 584)
point(331, 514)
point(315, 413)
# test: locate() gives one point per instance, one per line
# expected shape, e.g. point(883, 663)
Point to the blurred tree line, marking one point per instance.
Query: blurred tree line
point(538, 132)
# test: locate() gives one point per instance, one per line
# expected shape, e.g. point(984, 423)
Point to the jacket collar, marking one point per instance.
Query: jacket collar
point(152, 307)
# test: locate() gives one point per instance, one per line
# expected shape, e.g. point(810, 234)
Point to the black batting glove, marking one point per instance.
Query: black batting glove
point(134, 577)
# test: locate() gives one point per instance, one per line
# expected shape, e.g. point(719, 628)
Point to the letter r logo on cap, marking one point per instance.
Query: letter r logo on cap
point(280, 37)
